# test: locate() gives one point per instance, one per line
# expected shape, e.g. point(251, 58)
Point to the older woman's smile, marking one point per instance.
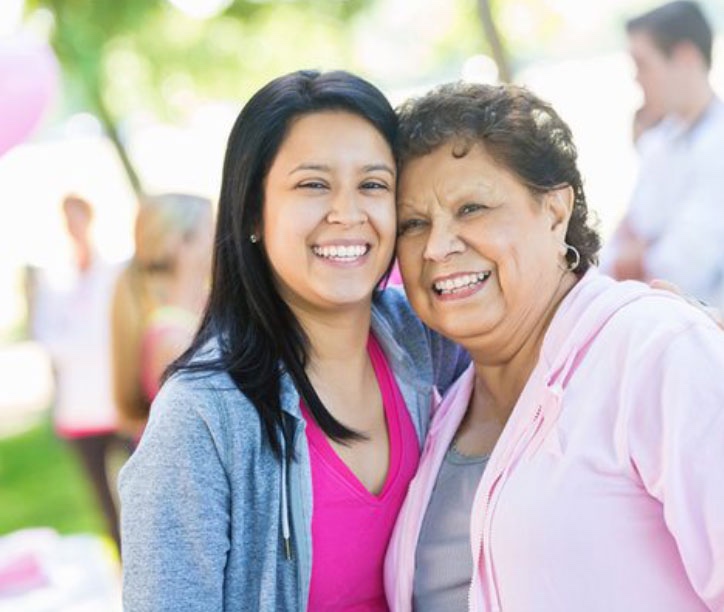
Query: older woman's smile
point(456, 286)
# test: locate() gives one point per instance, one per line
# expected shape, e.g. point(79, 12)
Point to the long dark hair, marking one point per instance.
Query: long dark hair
point(259, 337)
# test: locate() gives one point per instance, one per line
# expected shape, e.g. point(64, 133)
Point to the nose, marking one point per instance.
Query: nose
point(442, 241)
point(346, 209)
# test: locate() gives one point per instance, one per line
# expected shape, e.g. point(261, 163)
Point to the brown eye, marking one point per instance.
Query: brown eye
point(311, 185)
point(471, 207)
point(374, 185)
point(410, 225)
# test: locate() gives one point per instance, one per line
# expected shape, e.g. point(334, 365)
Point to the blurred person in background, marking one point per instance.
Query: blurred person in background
point(158, 299)
point(674, 227)
point(69, 311)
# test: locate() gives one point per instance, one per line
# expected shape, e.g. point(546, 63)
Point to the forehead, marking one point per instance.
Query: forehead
point(318, 131)
point(643, 48)
point(446, 173)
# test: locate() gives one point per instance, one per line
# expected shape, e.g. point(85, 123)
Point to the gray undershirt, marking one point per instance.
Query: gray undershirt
point(443, 562)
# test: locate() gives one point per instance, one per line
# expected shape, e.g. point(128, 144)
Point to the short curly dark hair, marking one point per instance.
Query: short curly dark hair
point(517, 129)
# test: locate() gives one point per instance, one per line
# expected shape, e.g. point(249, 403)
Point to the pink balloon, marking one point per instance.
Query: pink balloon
point(28, 82)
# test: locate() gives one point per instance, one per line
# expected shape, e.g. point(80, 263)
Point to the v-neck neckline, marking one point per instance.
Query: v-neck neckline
point(329, 455)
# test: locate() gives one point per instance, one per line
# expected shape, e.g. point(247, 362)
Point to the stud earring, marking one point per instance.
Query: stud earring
point(253, 238)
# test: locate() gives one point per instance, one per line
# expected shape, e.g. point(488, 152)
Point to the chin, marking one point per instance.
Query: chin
point(347, 298)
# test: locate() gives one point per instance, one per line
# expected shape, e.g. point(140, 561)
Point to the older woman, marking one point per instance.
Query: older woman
point(594, 410)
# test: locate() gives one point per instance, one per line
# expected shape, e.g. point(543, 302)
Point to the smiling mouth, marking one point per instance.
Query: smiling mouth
point(451, 286)
point(341, 252)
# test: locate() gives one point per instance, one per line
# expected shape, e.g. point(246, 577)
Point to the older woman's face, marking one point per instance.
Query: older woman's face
point(478, 252)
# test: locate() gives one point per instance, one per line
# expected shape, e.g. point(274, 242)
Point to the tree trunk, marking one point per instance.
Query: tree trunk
point(91, 79)
point(496, 43)
point(110, 127)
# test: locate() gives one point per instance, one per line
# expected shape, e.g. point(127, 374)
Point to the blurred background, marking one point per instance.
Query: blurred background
point(108, 99)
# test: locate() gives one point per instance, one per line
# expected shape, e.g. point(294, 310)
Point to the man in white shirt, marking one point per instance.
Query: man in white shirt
point(674, 228)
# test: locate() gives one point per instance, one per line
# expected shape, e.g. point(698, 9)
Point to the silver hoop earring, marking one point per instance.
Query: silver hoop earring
point(253, 238)
point(572, 266)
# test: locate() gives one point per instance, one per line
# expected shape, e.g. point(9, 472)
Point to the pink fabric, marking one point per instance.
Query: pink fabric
point(163, 321)
point(22, 573)
point(151, 336)
point(395, 278)
point(350, 526)
point(604, 491)
point(72, 433)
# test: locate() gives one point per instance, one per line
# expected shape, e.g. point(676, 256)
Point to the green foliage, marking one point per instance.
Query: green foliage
point(145, 54)
point(465, 38)
point(41, 485)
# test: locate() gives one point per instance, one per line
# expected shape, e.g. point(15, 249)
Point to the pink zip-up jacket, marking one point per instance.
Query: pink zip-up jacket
point(605, 490)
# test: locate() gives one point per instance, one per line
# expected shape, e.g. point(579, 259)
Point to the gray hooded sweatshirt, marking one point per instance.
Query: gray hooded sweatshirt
point(212, 519)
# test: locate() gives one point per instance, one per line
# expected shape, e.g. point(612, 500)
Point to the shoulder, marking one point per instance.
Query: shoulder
point(659, 324)
point(392, 309)
point(710, 139)
point(394, 320)
point(628, 318)
point(428, 354)
point(663, 310)
point(195, 405)
point(391, 304)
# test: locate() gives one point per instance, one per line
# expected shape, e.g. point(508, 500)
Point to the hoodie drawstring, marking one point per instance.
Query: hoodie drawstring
point(285, 510)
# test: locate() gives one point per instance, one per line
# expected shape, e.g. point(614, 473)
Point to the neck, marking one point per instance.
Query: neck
point(83, 255)
point(699, 97)
point(339, 338)
point(339, 367)
point(500, 381)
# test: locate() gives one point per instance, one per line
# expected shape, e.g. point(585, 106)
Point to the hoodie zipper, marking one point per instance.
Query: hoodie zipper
point(522, 444)
point(482, 545)
point(555, 385)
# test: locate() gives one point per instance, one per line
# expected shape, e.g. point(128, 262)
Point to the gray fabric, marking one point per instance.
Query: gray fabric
point(443, 561)
point(201, 496)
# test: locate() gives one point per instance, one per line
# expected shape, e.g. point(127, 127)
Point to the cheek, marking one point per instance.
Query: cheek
point(409, 258)
point(282, 222)
point(384, 216)
point(520, 252)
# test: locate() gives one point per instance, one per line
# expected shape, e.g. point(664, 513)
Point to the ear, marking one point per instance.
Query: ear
point(558, 205)
point(686, 54)
point(258, 230)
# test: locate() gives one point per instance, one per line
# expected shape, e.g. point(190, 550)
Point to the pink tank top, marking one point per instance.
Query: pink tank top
point(162, 320)
point(351, 526)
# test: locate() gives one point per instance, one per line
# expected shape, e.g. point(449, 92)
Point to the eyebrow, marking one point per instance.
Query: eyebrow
point(407, 205)
point(326, 168)
point(383, 167)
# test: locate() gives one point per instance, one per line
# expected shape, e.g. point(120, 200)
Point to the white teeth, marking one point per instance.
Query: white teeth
point(452, 285)
point(341, 252)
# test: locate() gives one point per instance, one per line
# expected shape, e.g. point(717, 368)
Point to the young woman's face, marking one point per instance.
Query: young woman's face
point(478, 252)
point(328, 221)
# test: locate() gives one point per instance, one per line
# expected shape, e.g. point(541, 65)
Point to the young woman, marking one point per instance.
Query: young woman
point(278, 453)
